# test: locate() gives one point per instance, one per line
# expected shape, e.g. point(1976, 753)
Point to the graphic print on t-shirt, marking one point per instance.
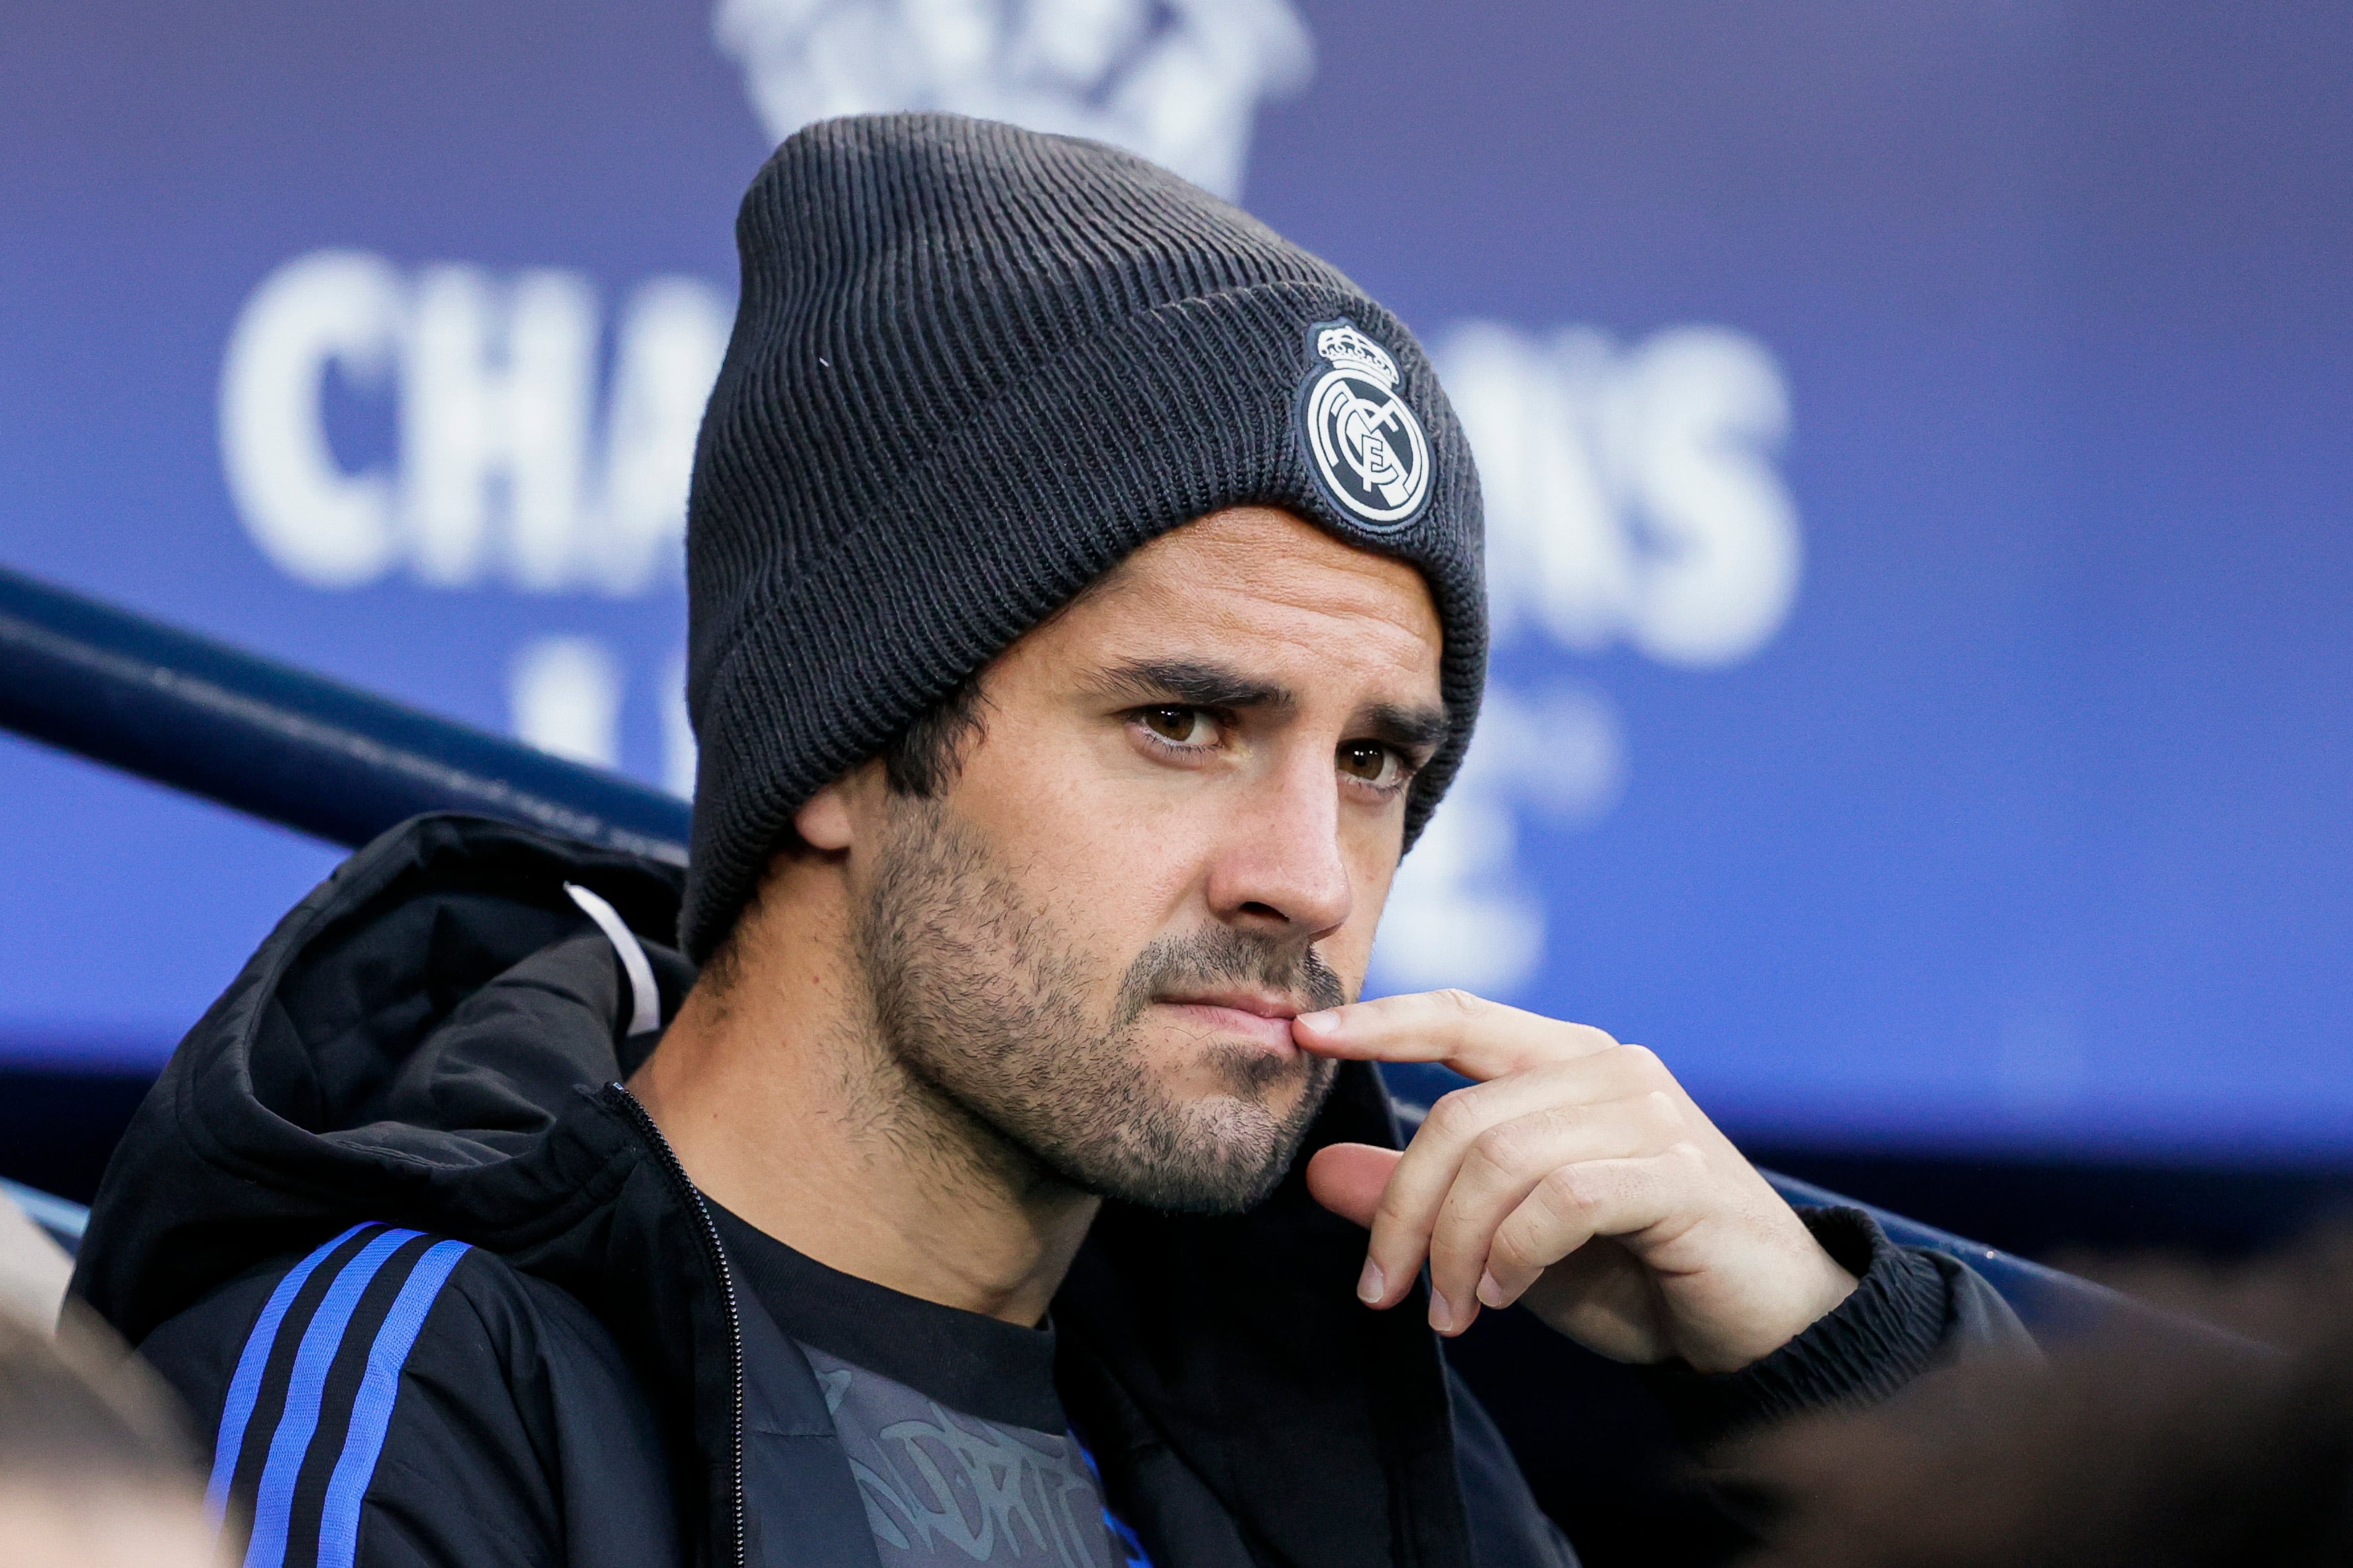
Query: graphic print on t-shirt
point(948, 1489)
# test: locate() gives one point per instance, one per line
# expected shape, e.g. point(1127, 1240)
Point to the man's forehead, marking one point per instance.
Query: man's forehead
point(1262, 576)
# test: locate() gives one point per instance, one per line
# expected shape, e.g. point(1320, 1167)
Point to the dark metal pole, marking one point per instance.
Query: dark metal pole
point(2054, 1305)
point(275, 742)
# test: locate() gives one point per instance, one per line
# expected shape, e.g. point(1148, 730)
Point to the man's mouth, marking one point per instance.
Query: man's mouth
point(1261, 1017)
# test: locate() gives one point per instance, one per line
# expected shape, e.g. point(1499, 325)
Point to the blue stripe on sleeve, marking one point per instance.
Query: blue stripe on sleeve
point(245, 1387)
point(339, 1524)
point(1131, 1549)
point(273, 1506)
point(1129, 1546)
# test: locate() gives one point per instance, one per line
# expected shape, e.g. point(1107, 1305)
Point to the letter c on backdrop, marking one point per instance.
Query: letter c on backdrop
point(319, 523)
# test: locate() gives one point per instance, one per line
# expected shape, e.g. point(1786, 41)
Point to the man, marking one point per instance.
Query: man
point(1086, 613)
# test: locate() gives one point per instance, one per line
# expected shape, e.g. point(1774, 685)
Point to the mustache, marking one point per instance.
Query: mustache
point(1220, 956)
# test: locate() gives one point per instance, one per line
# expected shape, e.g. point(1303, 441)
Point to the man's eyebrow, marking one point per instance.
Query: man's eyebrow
point(1193, 682)
point(1419, 730)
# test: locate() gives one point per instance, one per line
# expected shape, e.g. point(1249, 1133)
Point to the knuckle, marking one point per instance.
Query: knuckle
point(1642, 1063)
point(1457, 1009)
point(1642, 1058)
point(1456, 1115)
point(1568, 1192)
point(1504, 1147)
point(1514, 1250)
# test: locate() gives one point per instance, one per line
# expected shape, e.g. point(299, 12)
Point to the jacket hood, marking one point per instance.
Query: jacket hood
point(420, 1041)
point(431, 1038)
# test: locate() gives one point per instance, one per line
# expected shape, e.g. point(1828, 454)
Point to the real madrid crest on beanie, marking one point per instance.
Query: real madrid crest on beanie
point(972, 368)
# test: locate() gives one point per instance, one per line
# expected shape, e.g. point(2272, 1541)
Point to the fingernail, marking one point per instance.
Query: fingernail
point(1441, 1316)
point(1489, 1291)
point(1322, 1022)
point(1371, 1284)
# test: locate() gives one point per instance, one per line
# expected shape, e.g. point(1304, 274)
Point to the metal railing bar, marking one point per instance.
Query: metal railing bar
point(62, 1218)
point(285, 745)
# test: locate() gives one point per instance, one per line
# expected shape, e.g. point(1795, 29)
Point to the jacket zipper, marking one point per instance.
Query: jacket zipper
point(718, 1255)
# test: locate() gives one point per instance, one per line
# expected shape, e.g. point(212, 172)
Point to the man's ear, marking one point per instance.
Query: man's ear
point(829, 821)
point(824, 820)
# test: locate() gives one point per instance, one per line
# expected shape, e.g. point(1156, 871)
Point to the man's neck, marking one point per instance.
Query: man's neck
point(786, 1107)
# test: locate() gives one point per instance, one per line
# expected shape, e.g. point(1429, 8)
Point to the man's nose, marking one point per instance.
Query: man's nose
point(1279, 868)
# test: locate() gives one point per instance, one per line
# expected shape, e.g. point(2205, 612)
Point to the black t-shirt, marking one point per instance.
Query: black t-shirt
point(953, 1428)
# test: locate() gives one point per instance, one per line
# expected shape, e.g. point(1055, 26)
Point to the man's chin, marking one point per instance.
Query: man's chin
point(1222, 1152)
point(1208, 1186)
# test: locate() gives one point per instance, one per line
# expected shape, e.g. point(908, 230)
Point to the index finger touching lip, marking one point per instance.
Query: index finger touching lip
point(1476, 1037)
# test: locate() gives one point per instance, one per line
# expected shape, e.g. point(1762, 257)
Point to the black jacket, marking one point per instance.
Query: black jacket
point(553, 1368)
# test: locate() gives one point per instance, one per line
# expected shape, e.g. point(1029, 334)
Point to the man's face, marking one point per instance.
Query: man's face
point(1174, 832)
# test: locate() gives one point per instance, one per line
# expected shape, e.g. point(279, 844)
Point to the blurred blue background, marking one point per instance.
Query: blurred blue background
point(1917, 439)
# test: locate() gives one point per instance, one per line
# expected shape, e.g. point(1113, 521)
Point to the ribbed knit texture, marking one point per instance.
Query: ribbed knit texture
point(1878, 1339)
point(972, 368)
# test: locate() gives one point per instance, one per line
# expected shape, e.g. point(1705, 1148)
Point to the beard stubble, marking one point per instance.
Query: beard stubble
point(982, 998)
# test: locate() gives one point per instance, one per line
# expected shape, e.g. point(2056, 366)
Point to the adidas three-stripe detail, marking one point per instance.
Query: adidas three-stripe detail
point(313, 1393)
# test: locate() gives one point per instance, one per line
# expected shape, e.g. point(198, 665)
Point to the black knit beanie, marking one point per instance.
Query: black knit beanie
point(973, 367)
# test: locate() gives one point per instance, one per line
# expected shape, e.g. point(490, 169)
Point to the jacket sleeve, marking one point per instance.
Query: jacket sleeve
point(1910, 1310)
point(392, 1400)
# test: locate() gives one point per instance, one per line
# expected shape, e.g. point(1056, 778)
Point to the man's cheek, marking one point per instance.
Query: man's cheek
point(1349, 952)
point(1349, 949)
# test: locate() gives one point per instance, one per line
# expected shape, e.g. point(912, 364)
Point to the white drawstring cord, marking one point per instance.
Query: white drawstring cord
point(644, 999)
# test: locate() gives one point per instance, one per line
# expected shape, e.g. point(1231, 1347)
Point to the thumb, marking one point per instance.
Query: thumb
point(1349, 1178)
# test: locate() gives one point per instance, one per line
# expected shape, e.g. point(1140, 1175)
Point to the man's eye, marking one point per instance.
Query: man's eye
point(1372, 763)
point(1181, 726)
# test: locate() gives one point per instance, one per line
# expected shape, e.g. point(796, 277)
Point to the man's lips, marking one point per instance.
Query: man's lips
point(1261, 1017)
